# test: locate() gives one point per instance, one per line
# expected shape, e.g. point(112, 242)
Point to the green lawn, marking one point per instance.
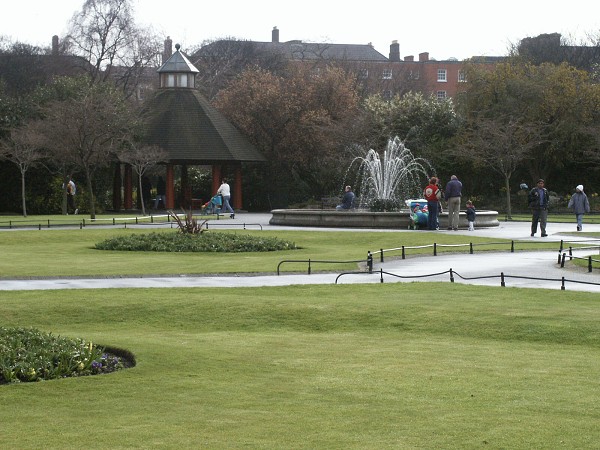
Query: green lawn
point(71, 252)
point(352, 366)
point(396, 365)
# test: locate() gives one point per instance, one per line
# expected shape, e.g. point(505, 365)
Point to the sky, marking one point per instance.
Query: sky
point(445, 29)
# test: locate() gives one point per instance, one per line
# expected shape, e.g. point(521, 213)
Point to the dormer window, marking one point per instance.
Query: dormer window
point(178, 72)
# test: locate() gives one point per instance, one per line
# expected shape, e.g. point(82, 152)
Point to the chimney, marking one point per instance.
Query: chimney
point(409, 58)
point(275, 35)
point(395, 51)
point(168, 51)
point(423, 57)
point(55, 45)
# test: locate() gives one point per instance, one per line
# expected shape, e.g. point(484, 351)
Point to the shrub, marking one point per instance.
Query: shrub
point(202, 242)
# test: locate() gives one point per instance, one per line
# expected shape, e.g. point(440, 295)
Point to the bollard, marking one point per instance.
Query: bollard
point(381, 275)
point(559, 256)
point(562, 262)
point(561, 246)
point(39, 226)
point(570, 253)
point(125, 225)
point(48, 223)
point(512, 246)
point(136, 220)
point(370, 262)
point(403, 253)
point(80, 226)
point(471, 248)
point(309, 266)
point(381, 251)
point(562, 286)
point(502, 283)
point(434, 249)
point(451, 276)
point(589, 263)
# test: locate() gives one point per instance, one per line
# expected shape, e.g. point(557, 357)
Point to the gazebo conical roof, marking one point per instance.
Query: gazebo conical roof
point(183, 123)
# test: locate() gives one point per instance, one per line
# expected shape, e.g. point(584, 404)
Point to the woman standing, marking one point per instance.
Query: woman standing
point(432, 194)
point(580, 205)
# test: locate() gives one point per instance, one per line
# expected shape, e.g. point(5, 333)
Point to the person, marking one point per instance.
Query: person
point(71, 191)
point(471, 215)
point(347, 199)
point(432, 194)
point(580, 205)
point(452, 196)
point(161, 191)
point(225, 192)
point(538, 202)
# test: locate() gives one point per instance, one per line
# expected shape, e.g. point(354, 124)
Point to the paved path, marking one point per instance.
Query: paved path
point(520, 269)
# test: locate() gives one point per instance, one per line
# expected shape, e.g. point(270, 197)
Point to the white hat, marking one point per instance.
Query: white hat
point(579, 187)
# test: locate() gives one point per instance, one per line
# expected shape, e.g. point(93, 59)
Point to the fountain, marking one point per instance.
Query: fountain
point(385, 184)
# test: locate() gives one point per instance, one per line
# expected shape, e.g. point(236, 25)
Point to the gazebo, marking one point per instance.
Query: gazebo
point(184, 124)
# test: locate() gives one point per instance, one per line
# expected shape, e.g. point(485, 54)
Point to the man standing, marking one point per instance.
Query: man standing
point(538, 202)
point(452, 196)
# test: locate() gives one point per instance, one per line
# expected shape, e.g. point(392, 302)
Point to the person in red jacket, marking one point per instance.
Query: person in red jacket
point(433, 195)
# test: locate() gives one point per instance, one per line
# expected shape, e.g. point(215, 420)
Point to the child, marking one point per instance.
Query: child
point(471, 215)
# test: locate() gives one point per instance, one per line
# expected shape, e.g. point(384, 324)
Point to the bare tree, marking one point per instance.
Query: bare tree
point(105, 34)
point(86, 130)
point(23, 148)
point(502, 144)
point(141, 158)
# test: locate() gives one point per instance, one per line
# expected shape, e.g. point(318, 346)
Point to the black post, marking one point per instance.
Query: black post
point(471, 248)
point(561, 246)
point(451, 276)
point(562, 286)
point(309, 266)
point(370, 262)
point(589, 263)
point(512, 246)
point(403, 253)
point(381, 252)
point(381, 275)
point(570, 253)
point(434, 249)
point(562, 262)
point(502, 283)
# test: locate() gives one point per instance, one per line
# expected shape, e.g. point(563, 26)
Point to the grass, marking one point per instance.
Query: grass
point(351, 366)
point(396, 365)
point(71, 252)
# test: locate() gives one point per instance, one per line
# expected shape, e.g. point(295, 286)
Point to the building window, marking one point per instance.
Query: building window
point(387, 74)
point(442, 75)
point(441, 95)
point(414, 75)
point(462, 76)
point(363, 73)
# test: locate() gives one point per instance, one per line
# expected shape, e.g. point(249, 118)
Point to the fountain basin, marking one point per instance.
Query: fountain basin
point(367, 219)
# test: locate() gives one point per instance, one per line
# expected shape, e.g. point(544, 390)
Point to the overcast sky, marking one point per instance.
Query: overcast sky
point(445, 29)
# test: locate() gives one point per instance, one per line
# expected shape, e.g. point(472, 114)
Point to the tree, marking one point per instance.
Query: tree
point(559, 102)
point(502, 144)
point(300, 122)
point(141, 158)
point(23, 148)
point(105, 34)
point(86, 130)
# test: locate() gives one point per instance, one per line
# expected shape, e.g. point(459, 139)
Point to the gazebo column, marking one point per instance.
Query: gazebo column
point(216, 179)
point(185, 195)
point(128, 187)
point(116, 200)
point(237, 187)
point(170, 187)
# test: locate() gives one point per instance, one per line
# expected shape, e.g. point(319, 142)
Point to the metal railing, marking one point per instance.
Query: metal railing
point(502, 277)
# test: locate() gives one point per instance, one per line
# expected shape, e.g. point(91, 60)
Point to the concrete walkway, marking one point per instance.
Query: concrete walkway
point(520, 269)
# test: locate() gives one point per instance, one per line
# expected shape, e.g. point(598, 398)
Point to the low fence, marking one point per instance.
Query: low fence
point(502, 277)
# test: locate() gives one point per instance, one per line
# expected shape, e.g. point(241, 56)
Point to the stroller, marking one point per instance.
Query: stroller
point(418, 216)
point(213, 206)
